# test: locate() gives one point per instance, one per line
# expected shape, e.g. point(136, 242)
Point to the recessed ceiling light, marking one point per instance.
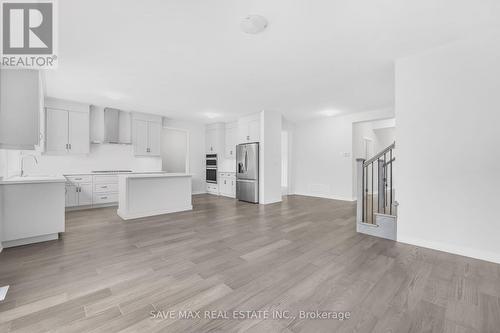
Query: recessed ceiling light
point(253, 24)
point(211, 115)
point(329, 113)
point(114, 95)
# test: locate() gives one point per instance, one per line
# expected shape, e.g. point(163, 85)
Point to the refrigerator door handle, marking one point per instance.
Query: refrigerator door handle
point(246, 160)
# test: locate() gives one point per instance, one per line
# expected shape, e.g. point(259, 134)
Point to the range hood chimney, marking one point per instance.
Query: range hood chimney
point(117, 126)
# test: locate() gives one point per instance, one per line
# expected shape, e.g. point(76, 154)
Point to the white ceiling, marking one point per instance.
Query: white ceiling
point(186, 58)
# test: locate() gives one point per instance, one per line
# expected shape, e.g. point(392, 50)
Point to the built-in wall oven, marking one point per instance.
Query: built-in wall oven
point(211, 168)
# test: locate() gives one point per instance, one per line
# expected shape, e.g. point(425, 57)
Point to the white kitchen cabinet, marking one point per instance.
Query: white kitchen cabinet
point(21, 102)
point(78, 133)
point(57, 126)
point(227, 184)
point(249, 129)
point(214, 139)
point(71, 196)
point(85, 194)
point(79, 191)
point(231, 140)
point(105, 190)
point(67, 132)
point(146, 137)
point(212, 188)
point(154, 138)
point(78, 195)
point(141, 137)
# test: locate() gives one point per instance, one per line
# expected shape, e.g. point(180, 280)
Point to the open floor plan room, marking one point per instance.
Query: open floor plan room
point(249, 166)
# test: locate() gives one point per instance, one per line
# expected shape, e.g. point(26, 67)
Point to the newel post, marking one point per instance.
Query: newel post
point(359, 189)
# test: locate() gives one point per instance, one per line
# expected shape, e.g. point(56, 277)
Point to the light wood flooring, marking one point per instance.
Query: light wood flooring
point(107, 275)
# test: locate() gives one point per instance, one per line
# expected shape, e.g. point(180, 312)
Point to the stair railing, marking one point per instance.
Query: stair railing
point(375, 185)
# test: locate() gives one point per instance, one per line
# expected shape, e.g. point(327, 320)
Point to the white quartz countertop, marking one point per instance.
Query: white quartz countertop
point(110, 173)
point(154, 175)
point(32, 180)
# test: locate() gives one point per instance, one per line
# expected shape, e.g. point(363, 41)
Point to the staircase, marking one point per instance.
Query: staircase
point(376, 205)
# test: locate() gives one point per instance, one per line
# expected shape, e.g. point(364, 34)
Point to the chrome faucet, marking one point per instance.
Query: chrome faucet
point(22, 162)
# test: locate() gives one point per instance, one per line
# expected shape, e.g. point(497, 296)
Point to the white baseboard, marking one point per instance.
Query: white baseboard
point(333, 197)
point(462, 251)
point(199, 192)
point(30, 240)
point(137, 215)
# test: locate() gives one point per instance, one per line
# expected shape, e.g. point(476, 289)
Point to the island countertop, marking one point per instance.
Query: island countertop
point(155, 175)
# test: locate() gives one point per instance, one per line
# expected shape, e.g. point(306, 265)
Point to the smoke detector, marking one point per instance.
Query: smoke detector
point(253, 24)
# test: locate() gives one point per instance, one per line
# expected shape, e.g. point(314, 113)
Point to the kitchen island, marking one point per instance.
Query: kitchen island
point(150, 194)
point(31, 209)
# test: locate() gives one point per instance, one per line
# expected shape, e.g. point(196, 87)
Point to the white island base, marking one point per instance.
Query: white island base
point(142, 195)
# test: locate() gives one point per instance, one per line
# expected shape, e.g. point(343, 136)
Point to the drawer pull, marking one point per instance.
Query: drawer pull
point(104, 186)
point(104, 197)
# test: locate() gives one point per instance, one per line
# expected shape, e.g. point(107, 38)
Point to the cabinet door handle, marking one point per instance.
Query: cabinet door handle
point(69, 145)
point(224, 182)
point(248, 137)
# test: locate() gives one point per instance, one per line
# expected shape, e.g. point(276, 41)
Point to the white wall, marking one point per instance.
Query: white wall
point(174, 150)
point(322, 155)
point(270, 157)
point(196, 150)
point(448, 120)
point(289, 127)
point(3, 163)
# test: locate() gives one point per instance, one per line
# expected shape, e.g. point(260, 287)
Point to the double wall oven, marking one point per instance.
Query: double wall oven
point(211, 168)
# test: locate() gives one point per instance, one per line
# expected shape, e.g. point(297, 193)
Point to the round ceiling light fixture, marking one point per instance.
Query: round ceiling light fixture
point(253, 24)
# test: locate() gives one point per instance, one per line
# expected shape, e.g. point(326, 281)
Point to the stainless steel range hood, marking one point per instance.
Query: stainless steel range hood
point(117, 126)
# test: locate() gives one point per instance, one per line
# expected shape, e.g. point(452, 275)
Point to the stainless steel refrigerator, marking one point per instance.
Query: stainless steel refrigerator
point(247, 172)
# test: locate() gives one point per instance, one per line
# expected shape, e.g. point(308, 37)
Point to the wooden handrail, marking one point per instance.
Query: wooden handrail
point(376, 157)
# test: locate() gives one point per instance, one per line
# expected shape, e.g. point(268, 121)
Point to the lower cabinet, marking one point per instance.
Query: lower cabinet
point(88, 190)
point(105, 198)
point(71, 195)
point(227, 184)
point(78, 194)
point(212, 188)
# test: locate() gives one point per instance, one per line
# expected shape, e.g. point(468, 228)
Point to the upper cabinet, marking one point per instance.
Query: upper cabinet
point(66, 127)
point(231, 140)
point(214, 139)
point(249, 128)
point(21, 102)
point(146, 135)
